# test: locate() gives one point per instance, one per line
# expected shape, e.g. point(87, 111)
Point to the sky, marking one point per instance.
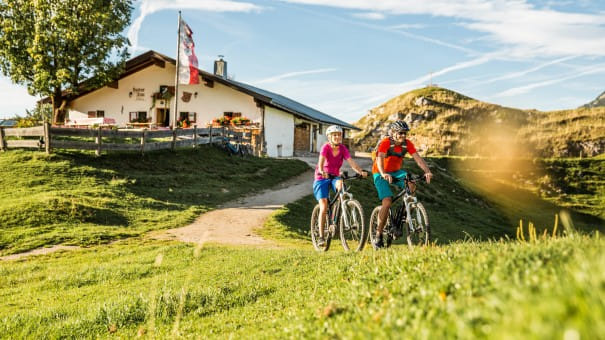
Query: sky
point(345, 57)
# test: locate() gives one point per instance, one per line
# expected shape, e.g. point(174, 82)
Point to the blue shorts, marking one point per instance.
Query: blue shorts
point(321, 187)
point(382, 186)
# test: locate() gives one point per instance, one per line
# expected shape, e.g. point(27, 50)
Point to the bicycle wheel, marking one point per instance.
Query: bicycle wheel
point(315, 231)
point(386, 235)
point(352, 234)
point(418, 229)
point(373, 224)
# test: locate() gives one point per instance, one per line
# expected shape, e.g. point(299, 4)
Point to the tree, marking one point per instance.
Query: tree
point(58, 48)
point(41, 113)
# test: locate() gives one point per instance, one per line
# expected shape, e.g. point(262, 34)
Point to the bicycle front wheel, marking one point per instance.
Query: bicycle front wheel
point(352, 227)
point(315, 231)
point(418, 229)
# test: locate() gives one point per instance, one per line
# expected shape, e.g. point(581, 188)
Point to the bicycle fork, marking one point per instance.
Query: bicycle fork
point(409, 202)
point(344, 198)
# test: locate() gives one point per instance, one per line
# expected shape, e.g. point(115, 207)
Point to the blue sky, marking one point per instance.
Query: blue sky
point(345, 57)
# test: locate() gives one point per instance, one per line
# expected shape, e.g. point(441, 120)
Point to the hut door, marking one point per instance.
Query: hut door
point(302, 133)
point(162, 117)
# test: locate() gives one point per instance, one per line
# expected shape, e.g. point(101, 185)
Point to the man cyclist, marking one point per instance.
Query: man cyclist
point(330, 160)
point(387, 169)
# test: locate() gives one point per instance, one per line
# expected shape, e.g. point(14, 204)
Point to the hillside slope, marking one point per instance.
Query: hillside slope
point(76, 198)
point(445, 122)
point(599, 101)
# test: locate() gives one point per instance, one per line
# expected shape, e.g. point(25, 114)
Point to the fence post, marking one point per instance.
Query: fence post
point(174, 138)
point(2, 142)
point(210, 134)
point(98, 141)
point(47, 137)
point(143, 138)
point(195, 136)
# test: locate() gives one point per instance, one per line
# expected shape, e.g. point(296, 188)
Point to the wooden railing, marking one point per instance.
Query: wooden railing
point(50, 137)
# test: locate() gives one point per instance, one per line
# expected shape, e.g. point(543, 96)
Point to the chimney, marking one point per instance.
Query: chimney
point(220, 67)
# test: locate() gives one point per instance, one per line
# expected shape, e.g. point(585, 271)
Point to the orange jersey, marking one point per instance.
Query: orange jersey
point(394, 155)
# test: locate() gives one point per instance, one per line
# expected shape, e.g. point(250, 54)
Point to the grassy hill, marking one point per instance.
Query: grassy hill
point(445, 122)
point(550, 287)
point(79, 199)
point(474, 198)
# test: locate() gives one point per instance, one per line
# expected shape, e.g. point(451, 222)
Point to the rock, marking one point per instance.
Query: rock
point(396, 116)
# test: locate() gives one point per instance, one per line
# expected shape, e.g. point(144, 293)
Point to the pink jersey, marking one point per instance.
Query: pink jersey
point(332, 163)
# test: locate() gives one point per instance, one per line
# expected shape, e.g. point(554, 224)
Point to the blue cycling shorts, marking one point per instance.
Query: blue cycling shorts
point(382, 186)
point(321, 187)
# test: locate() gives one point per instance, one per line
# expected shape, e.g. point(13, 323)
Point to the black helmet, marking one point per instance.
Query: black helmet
point(399, 125)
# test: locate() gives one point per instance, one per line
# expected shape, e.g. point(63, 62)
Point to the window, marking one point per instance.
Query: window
point(138, 117)
point(96, 114)
point(166, 90)
point(190, 116)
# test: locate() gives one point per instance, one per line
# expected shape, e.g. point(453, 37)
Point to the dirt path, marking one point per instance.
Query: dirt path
point(234, 222)
point(39, 251)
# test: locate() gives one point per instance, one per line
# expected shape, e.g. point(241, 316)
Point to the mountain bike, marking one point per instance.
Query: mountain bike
point(347, 213)
point(410, 214)
point(234, 148)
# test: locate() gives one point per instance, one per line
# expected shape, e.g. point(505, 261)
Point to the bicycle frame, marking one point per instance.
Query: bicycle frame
point(408, 200)
point(342, 196)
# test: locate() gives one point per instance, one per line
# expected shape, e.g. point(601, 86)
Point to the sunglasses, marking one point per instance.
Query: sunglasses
point(401, 133)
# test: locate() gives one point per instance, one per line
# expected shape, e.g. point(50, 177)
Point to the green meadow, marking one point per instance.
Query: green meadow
point(478, 279)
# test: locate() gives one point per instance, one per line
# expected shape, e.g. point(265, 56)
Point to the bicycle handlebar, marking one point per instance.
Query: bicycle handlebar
point(415, 178)
point(345, 175)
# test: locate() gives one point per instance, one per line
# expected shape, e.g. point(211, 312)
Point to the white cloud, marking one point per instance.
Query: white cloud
point(148, 7)
point(407, 26)
point(350, 101)
point(369, 15)
point(14, 98)
point(291, 75)
point(526, 88)
point(522, 73)
point(513, 23)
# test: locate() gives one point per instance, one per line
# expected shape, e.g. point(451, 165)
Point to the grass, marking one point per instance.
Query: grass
point(76, 198)
point(465, 286)
point(546, 289)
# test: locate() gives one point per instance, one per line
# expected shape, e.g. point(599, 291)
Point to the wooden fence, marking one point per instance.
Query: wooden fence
point(50, 137)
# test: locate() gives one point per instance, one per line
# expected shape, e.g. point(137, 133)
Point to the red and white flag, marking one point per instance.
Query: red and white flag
point(188, 73)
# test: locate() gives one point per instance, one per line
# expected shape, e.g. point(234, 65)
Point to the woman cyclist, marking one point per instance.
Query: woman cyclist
point(330, 160)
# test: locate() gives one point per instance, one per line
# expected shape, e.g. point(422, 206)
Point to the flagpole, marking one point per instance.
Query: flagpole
point(176, 81)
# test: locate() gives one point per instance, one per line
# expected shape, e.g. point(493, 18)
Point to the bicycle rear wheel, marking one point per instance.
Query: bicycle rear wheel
point(417, 226)
point(373, 224)
point(352, 234)
point(386, 236)
point(314, 229)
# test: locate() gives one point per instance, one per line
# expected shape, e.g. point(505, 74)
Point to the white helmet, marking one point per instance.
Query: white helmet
point(332, 129)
